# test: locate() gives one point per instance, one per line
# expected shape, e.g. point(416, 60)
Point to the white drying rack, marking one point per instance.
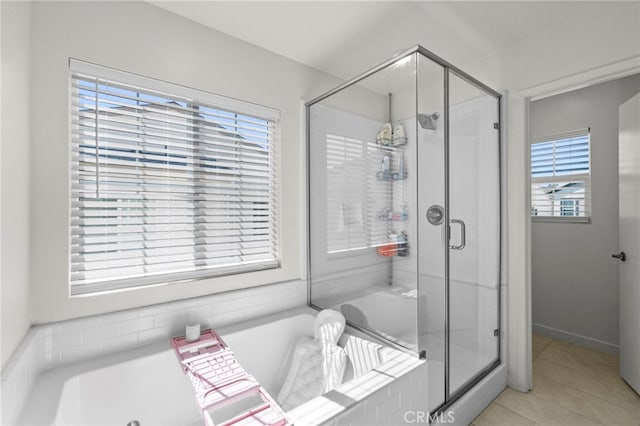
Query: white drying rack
point(219, 380)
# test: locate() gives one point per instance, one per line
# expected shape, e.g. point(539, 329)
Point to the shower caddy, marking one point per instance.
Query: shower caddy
point(391, 141)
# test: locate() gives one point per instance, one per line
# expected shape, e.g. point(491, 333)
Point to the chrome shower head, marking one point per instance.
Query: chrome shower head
point(428, 121)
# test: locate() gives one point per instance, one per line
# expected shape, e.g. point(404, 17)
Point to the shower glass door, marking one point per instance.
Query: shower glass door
point(474, 223)
point(458, 189)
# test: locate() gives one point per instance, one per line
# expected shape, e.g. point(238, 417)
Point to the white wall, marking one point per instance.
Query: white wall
point(140, 38)
point(15, 177)
point(588, 42)
point(575, 280)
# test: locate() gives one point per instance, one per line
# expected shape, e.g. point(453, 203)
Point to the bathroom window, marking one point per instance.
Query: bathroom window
point(167, 183)
point(561, 177)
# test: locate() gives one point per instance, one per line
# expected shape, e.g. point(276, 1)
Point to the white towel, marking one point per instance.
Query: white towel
point(318, 365)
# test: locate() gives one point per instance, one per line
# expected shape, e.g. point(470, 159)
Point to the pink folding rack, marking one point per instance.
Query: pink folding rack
point(219, 380)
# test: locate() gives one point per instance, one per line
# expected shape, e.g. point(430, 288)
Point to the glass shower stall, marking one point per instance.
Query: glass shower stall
point(404, 214)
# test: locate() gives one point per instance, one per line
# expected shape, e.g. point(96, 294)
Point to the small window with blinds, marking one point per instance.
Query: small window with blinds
point(561, 177)
point(168, 183)
point(355, 197)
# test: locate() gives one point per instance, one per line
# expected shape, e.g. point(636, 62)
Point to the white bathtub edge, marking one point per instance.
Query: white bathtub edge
point(348, 395)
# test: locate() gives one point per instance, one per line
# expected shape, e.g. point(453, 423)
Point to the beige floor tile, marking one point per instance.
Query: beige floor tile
point(539, 342)
point(572, 386)
point(589, 354)
point(611, 389)
point(578, 401)
point(496, 415)
point(540, 410)
point(537, 349)
point(582, 358)
point(540, 339)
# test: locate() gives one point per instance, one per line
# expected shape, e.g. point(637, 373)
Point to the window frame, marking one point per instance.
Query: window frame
point(202, 99)
point(586, 177)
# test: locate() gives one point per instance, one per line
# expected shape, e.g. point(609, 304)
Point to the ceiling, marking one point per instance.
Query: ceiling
point(344, 38)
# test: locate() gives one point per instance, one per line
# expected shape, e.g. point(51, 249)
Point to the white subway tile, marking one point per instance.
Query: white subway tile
point(222, 297)
point(133, 326)
point(216, 321)
point(155, 334)
point(369, 417)
point(169, 319)
point(78, 324)
point(23, 387)
point(82, 352)
point(100, 332)
point(159, 309)
point(47, 329)
point(391, 405)
point(119, 316)
point(69, 338)
point(119, 343)
point(229, 305)
point(9, 401)
point(197, 313)
point(9, 387)
point(351, 416)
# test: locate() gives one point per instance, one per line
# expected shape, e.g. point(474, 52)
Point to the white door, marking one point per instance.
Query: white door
point(629, 175)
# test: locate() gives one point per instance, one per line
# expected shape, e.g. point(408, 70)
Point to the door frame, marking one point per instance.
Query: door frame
point(519, 312)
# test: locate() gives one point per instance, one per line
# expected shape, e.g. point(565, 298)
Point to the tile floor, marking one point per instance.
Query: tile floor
point(572, 385)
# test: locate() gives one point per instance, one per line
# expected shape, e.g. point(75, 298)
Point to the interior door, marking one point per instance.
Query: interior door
point(629, 256)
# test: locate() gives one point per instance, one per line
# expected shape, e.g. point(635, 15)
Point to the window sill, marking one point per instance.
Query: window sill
point(164, 279)
point(560, 219)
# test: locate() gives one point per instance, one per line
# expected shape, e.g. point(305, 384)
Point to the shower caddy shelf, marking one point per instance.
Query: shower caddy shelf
point(218, 380)
point(400, 245)
point(387, 215)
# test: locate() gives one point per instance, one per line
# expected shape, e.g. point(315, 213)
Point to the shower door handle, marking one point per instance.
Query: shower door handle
point(463, 234)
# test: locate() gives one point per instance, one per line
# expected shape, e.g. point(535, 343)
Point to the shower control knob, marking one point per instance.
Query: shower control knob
point(622, 256)
point(435, 214)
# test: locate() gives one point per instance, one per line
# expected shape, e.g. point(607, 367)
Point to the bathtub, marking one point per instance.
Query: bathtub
point(393, 312)
point(147, 384)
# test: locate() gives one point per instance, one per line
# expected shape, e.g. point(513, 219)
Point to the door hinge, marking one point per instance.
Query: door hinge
point(496, 126)
point(496, 332)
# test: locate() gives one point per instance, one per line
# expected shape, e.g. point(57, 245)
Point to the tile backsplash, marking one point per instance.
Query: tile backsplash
point(50, 345)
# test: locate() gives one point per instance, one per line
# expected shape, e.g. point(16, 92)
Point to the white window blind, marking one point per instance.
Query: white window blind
point(561, 177)
point(355, 197)
point(167, 183)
